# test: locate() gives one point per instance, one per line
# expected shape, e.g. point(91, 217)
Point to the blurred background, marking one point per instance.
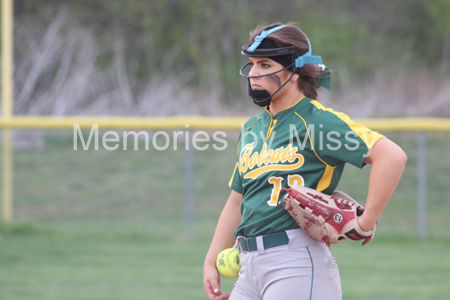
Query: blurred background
point(137, 223)
point(166, 57)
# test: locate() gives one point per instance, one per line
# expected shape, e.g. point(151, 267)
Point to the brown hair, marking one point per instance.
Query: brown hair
point(290, 35)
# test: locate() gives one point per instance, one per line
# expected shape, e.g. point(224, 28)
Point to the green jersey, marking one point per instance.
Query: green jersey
point(306, 145)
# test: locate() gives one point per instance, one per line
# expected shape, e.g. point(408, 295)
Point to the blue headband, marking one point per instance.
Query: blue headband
point(300, 61)
point(261, 37)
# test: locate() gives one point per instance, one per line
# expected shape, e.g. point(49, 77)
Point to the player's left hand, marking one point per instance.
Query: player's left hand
point(212, 285)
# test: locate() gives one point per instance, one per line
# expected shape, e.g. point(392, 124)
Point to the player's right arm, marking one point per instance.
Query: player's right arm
point(223, 238)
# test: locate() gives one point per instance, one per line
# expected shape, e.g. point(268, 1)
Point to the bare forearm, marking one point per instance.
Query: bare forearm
point(229, 219)
point(388, 162)
point(384, 179)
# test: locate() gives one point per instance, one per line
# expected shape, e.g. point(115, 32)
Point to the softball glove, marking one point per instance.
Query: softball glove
point(326, 219)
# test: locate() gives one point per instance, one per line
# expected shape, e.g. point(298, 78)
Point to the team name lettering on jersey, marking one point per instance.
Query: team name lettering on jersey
point(268, 160)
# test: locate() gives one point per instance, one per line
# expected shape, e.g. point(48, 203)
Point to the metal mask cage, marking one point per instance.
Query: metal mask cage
point(243, 72)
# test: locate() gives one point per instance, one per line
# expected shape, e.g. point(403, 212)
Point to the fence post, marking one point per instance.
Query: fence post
point(7, 107)
point(421, 185)
point(189, 185)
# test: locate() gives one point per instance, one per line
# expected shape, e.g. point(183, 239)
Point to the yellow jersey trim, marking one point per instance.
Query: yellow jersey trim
point(269, 132)
point(368, 136)
point(325, 181)
point(232, 175)
point(309, 136)
point(287, 107)
point(295, 103)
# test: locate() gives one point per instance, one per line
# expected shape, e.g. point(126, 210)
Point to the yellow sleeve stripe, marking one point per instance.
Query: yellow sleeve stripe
point(325, 181)
point(366, 135)
point(232, 175)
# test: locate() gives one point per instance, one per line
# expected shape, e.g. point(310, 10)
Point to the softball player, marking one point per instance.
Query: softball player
point(294, 141)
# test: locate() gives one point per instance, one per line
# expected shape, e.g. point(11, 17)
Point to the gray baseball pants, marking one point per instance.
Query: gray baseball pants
point(301, 270)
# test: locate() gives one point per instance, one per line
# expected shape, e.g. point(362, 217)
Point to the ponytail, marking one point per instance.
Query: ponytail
point(307, 82)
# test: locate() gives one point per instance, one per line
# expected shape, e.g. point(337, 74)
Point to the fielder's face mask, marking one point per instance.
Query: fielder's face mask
point(285, 56)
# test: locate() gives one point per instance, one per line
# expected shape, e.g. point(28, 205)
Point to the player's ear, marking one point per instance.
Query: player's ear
point(295, 77)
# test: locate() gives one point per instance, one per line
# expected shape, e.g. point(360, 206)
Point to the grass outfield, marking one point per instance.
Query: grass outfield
point(47, 267)
point(103, 224)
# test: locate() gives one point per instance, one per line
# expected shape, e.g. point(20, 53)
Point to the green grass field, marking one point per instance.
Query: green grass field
point(56, 267)
point(111, 225)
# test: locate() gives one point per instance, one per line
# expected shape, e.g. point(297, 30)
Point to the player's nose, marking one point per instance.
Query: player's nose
point(254, 72)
